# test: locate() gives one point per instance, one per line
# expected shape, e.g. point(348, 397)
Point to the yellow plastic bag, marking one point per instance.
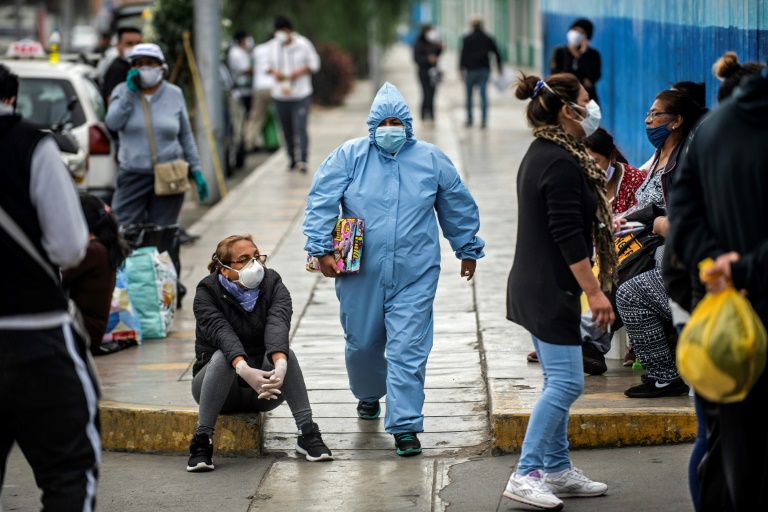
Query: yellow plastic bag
point(721, 351)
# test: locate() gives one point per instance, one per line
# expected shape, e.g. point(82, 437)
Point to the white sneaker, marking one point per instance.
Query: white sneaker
point(531, 490)
point(573, 484)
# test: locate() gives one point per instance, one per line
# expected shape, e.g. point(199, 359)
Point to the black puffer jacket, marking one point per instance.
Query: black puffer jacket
point(222, 324)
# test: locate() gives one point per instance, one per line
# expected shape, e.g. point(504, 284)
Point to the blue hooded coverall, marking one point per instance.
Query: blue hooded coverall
point(388, 305)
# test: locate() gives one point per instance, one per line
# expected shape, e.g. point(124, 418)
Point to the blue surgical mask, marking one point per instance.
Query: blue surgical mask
point(609, 173)
point(657, 136)
point(390, 138)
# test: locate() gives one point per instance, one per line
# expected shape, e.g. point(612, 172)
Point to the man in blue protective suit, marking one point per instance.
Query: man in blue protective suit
point(395, 183)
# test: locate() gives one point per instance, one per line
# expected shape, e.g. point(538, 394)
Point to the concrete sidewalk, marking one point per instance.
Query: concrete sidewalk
point(479, 389)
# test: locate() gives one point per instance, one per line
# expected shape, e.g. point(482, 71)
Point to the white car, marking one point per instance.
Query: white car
point(44, 91)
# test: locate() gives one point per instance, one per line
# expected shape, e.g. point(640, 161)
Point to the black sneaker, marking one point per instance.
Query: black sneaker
point(368, 410)
point(649, 390)
point(310, 443)
point(645, 379)
point(200, 453)
point(407, 444)
point(594, 360)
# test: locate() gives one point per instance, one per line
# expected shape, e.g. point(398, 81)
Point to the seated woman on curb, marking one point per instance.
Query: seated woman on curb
point(242, 360)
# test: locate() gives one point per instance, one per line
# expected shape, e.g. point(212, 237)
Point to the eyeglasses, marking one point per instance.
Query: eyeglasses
point(261, 257)
point(652, 115)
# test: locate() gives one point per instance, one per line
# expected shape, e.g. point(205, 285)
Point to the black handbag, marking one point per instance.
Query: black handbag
point(637, 251)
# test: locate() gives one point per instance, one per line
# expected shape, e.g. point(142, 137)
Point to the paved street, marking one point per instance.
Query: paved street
point(479, 388)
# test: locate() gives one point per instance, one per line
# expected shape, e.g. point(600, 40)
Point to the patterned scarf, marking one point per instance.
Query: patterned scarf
point(245, 297)
point(603, 223)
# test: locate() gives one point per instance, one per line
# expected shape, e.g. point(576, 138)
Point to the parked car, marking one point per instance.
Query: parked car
point(45, 90)
point(69, 149)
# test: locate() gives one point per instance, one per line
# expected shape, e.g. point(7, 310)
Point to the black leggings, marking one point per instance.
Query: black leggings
point(428, 96)
point(49, 407)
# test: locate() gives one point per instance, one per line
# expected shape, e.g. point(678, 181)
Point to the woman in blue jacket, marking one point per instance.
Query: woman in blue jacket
point(396, 184)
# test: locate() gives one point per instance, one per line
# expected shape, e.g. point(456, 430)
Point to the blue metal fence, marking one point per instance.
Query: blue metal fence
point(648, 45)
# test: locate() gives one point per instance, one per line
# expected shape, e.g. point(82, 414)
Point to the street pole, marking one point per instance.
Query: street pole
point(67, 13)
point(207, 37)
point(374, 48)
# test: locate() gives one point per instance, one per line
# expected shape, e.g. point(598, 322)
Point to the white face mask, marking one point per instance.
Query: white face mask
point(6, 109)
point(250, 275)
point(150, 76)
point(609, 172)
point(591, 123)
point(282, 36)
point(432, 36)
point(575, 38)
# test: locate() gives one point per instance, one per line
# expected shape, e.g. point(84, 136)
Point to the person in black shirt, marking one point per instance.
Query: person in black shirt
point(426, 50)
point(48, 389)
point(127, 38)
point(578, 58)
point(721, 215)
point(475, 66)
point(563, 217)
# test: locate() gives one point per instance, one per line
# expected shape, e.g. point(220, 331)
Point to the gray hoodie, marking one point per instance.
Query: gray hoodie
point(170, 125)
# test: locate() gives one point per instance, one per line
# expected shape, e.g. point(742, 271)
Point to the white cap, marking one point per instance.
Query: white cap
point(146, 50)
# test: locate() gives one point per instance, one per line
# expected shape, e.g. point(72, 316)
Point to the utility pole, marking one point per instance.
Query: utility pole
point(207, 36)
point(374, 48)
point(67, 14)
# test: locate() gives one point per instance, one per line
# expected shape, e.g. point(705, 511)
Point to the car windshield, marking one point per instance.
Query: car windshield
point(43, 102)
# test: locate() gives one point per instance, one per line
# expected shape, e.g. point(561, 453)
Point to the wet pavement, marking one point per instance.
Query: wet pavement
point(479, 388)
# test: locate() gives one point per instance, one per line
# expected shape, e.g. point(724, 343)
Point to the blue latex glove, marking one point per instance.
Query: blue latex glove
point(132, 80)
point(202, 185)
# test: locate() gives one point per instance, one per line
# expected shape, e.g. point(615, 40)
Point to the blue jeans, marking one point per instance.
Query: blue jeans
point(477, 78)
point(545, 446)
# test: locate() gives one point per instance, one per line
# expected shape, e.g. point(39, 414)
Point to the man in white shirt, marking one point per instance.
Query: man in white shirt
point(292, 59)
point(239, 64)
point(263, 82)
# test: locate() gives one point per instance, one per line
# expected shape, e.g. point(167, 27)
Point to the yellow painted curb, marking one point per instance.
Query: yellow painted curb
point(156, 429)
point(602, 430)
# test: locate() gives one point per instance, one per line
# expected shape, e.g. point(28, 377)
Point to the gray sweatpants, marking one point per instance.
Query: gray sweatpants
point(217, 389)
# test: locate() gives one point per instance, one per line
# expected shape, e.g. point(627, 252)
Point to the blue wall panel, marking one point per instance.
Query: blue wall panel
point(647, 46)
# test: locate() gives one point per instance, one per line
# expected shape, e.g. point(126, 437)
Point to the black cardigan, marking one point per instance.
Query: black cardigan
point(556, 208)
point(222, 324)
point(586, 66)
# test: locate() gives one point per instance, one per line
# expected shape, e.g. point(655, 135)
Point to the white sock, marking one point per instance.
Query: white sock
point(557, 474)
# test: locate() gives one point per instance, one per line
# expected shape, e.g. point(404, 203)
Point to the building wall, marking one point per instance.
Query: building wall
point(648, 45)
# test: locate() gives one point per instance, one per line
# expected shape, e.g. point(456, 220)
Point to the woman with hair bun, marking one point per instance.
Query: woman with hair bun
point(563, 213)
point(730, 72)
point(91, 283)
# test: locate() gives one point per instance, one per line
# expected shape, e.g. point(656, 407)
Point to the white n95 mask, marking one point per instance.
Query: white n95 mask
point(250, 276)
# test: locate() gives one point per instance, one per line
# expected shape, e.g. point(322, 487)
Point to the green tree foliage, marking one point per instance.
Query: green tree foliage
point(344, 23)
